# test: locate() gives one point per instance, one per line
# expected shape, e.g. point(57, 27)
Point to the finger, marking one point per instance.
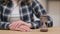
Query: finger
point(25, 28)
point(24, 23)
point(18, 25)
point(13, 26)
point(22, 27)
point(27, 24)
point(22, 30)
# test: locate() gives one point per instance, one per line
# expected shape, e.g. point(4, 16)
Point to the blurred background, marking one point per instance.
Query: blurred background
point(53, 9)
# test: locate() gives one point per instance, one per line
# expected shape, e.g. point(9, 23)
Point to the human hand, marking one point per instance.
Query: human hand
point(20, 25)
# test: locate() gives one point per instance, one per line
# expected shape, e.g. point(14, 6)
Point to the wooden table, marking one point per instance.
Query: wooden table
point(53, 30)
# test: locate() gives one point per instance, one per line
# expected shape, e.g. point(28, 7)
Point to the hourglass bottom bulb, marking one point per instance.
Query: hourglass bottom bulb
point(44, 30)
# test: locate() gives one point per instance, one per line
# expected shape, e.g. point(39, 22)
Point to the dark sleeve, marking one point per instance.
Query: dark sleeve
point(3, 24)
point(35, 24)
point(49, 22)
point(38, 10)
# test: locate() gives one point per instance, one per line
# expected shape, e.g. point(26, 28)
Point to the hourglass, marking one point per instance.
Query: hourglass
point(43, 21)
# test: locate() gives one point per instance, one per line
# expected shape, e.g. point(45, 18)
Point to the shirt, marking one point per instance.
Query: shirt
point(26, 13)
point(15, 13)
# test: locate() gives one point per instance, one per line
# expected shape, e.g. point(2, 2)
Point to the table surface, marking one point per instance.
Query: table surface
point(53, 30)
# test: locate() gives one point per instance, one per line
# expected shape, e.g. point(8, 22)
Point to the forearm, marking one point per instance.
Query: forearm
point(49, 24)
point(38, 9)
point(4, 25)
point(35, 25)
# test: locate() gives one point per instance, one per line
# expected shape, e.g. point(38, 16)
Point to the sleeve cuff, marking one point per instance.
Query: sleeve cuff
point(35, 25)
